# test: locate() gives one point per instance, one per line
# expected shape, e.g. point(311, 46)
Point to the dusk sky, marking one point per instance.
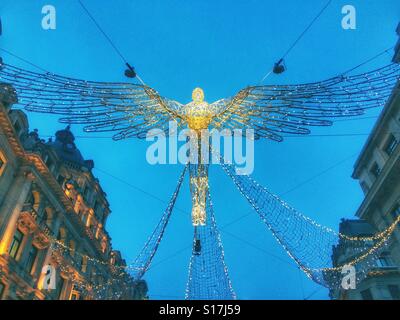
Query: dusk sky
point(221, 46)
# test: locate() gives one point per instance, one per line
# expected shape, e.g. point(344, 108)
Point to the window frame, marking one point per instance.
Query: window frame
point(15, 255)
point(3, 163)
point(29, 265)
point(59, 287)
point(366, 292)
point(390, 145)
point(375, 170)
point(75, 294)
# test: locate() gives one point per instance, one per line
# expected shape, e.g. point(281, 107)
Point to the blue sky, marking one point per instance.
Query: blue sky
point(221, 46)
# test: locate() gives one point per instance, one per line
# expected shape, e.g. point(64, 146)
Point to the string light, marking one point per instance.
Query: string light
point(311, 245)
point(272, 111)
point(131, 110)
point(136, 269)
point(208, 274)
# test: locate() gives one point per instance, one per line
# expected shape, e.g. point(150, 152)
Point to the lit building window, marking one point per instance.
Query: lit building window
point(366, 295)
point(74, 295)
point(2, 163)
point(390, 145)
point(33, 252)
point(16, 243)
point(375, 170)
point(62, 235)
point(394, 292)
point(84, 264)
point(72, 248)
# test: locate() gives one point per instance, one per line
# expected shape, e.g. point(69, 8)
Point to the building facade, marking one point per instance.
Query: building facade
point(378, 171)
point(53, 214)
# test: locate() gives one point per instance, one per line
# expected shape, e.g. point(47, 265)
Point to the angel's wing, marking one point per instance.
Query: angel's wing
point(275, 110)
point(129, 110)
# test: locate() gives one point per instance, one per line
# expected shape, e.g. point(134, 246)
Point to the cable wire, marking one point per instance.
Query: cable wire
point(108, 38)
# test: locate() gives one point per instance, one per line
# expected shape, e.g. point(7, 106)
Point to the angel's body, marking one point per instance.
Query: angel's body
point(198, 116)
point(197, 113)
point(131, 110)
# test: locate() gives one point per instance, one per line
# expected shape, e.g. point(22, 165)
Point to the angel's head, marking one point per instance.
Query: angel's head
point(198, 95)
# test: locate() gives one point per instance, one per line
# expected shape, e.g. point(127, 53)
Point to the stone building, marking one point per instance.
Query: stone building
point(53, 213)
point(378, 171)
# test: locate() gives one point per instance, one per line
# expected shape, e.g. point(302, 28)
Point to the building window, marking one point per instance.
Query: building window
point(84, 263)
point(395, 212)
point(83, 218)
point(48, 162)
point(2, 287)
point(364, 187)
point(33, 252)
point(62, 235)
point(72, 248)
point(375, 170)
point(16, 243)
point(59, 288)
point(384, 261)
point(61, 180)
point(85, 192)
point(366, 295)
point(2, 163)
point(390, 145)
point(17, 127)
point(394, 292)
point(74, 295)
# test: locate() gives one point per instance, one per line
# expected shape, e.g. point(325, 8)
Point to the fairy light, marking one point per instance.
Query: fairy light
point(137, 268)
point(133, 109)
point(279, 217)
point(207, 268)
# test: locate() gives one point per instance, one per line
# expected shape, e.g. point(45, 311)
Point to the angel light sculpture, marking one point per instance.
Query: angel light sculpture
point(132, 109)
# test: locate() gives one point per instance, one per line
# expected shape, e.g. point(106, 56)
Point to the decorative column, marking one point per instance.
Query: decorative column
point(11, 208)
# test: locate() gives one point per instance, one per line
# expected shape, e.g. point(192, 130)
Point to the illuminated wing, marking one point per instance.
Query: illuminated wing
point(275, 110)
point(129, 110)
